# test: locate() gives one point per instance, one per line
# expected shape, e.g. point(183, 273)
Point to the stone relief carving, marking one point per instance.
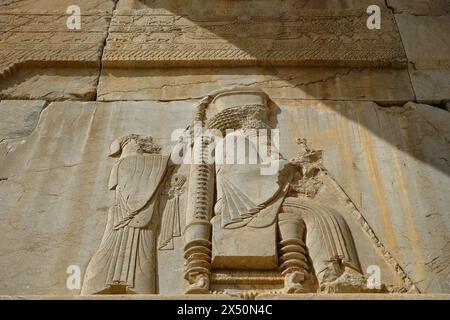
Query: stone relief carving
point(125, 260)
point(225, 37)
point(263, 233)
point(170, 224)
point(245, 233)
point(391, 160)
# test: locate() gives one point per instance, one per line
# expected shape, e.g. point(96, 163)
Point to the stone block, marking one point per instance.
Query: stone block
point(244, 249)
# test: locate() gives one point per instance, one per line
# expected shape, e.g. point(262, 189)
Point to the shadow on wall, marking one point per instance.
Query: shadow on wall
point(271, 26)
point(274, 29)
point(268, 31)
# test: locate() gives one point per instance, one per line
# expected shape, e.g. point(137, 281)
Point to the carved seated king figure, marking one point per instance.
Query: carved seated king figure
point(261, 230)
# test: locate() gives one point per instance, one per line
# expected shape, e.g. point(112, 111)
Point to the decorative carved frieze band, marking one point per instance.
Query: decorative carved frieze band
point(300, 37)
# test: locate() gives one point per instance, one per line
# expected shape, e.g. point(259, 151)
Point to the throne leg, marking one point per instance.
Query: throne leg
point(197, 255)
point(294, 263)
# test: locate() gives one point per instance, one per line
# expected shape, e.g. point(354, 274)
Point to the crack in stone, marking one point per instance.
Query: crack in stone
point(105, 42)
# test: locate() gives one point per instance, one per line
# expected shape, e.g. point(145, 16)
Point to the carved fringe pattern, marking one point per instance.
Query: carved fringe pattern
point(13, 61)
point(241, 117)
point(408, 284)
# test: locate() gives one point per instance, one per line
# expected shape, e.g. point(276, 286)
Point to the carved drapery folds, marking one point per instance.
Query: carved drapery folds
point(125, 262)
point(268, 232)
point(170, 223)
point(245, 232)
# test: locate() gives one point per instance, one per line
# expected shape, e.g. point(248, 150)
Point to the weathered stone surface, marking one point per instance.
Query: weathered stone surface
point(19, 118)
point(390, 162)
point(199, 6)
point(51, 41)
point(61, 189)
point(432, 86)
point(422, 7)
point(35, 36)
point(426, 40)
point(382, 85)
point(427, 46)
point(260, 253)
point(56, 6)
point(396, 155)
point(117, 196)
point(51, 83)
point(198, 33)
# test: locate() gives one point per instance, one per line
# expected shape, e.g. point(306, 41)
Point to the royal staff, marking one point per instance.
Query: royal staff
point(197, 233)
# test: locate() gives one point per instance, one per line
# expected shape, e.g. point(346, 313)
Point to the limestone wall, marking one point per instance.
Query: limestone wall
point(375, 102)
